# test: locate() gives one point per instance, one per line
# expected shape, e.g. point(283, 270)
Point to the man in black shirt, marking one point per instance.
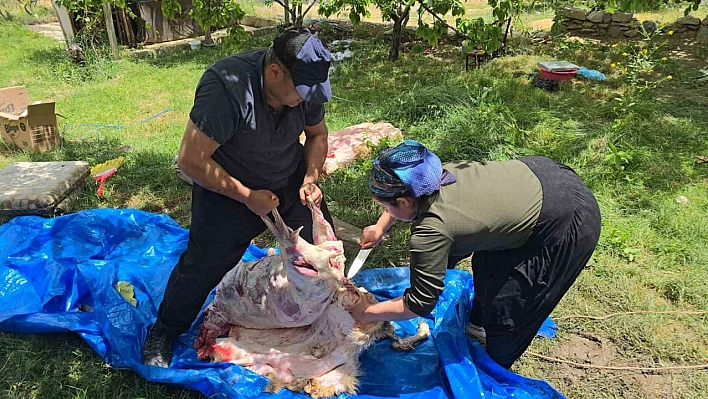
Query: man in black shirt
point(241, 148)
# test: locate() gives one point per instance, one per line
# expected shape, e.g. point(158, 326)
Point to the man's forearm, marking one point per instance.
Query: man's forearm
point(196, 162)
point(210, 175)
point(316, 148)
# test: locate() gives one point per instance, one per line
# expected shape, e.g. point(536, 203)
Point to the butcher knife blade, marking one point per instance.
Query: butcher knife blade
point(358, 262)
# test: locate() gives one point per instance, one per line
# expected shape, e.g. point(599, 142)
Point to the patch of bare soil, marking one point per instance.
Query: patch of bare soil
point(593, 350)
point(586, 349)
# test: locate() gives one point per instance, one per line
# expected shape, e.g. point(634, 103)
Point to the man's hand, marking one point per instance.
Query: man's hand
point(315, 155)
point(371, 236)
point(310, 190)
point(261, 202)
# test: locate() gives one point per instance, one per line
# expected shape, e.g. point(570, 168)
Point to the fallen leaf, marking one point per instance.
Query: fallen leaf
point(682, 200)
point(125, 289)
point(702, 158)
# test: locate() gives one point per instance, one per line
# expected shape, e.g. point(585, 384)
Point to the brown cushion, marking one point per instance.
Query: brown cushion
point(40, 188)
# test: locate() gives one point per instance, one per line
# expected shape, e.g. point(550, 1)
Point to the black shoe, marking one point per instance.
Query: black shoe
point(157, 350)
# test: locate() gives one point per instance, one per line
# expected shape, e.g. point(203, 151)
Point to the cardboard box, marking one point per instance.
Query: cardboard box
point(29, 126)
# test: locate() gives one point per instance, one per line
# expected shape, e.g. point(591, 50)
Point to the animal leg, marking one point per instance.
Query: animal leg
point(276, 384)
point(409, 343)
point(348, 296)
point(212, 327)
point(298, 385)
point(228, 350)
point(343, 379)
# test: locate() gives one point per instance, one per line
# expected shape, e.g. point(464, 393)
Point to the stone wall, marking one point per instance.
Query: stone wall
point(622, 25)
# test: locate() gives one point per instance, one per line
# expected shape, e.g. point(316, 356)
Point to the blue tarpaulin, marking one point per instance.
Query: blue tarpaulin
point(60, 274)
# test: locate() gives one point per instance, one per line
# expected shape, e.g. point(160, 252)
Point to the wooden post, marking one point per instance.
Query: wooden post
point(129, 35)
point(65, 22)
point(111, 29)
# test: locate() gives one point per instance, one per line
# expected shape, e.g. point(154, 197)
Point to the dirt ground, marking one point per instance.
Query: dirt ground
point(593, 350)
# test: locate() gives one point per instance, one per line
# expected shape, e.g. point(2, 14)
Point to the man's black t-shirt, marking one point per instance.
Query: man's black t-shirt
point(257, 146)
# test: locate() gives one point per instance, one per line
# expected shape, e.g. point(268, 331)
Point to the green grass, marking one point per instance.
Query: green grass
point(40, 11)
point(652, 254)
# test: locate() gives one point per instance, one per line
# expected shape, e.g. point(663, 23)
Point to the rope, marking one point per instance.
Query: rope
point(580, 316)
point(102, 126)
point(635, 368)
point(351, 101)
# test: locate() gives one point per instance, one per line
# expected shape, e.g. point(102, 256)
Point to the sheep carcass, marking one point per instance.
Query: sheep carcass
point(286, 316)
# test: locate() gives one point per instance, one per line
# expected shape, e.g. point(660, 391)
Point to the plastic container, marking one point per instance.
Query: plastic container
point(195, 44)
point(557, 70)
point(560, 76)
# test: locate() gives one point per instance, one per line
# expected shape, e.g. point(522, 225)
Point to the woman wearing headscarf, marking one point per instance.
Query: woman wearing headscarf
point(531, 224)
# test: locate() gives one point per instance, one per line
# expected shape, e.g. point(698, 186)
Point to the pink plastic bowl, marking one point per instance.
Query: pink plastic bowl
point(559, 76)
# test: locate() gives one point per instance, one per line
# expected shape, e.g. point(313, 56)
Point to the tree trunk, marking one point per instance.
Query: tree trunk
point(287, 11)
point(208, 41)
point(294, 20)
point(399, 24)
point(395, 40)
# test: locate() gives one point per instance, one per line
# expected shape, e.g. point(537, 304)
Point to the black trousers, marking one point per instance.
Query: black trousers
point(221, 231)
point(517, 289)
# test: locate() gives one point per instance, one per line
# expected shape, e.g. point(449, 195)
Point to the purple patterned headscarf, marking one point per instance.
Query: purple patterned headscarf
point(408, 168)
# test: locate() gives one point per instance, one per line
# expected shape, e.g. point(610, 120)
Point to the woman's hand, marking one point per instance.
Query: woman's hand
point(358, 312)
point(371, 236)
point(391, 310)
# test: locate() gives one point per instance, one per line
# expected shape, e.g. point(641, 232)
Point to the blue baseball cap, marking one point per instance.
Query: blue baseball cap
point(308, 61)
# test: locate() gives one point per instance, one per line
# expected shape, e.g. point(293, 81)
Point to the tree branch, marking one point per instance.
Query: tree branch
point(284, 6)
point(395, 16)
point(308, 8)
point(406, 14)
point(436, 16)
